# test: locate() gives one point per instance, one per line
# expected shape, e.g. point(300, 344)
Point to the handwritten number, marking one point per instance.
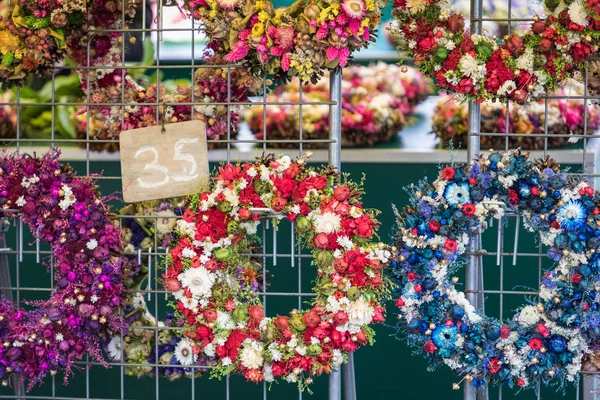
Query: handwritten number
point(186, 175)
point(152, 166)
point(189, 172)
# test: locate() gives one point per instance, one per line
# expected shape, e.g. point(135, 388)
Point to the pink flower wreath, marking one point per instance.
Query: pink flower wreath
point(516, 67)
point(83, 310)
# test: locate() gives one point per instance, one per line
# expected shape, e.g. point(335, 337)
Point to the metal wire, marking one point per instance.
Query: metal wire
point(270, 255)
point(587, 387)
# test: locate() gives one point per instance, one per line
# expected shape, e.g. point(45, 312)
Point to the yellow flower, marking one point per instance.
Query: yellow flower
point(277, 18)
point(8, 42)
point(370, 5)
point(263, 16)
point(259, 5)
point(415, 6)
point(258, 29)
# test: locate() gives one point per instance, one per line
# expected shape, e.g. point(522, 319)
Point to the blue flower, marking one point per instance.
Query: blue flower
point(444, 337)
point(457, 194)
point(557, 344)
point(572, 216)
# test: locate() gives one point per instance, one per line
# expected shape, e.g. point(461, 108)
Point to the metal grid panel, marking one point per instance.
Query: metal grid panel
point(19, 251)
point(506, 258)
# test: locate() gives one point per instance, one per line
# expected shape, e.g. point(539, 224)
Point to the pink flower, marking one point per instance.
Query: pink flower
point(285, 62)
point(354, 8)
point(238, 52)
point(284, 37)
point(343, 56)
point(332, 53)
point(322, 32)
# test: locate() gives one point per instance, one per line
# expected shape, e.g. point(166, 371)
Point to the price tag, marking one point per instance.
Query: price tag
point(157, 163)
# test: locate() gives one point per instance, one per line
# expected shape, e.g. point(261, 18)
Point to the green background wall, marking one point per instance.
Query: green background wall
point(385, 371)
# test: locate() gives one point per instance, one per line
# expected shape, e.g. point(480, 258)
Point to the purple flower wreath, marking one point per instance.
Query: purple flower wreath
point(66, 211)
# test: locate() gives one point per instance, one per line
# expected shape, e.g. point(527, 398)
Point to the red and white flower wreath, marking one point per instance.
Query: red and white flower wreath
point(516, 68)
point(220, 301)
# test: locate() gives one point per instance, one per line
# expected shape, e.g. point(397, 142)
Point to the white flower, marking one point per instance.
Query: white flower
point(507, 88)
point(251, 355)
point(327, 222)
point(224, 320)
point(189, 302)
point(164, 224)
point(199, 281)
point(92, 244)
point(355, 212)
point(59, 337)
point(345, 242)
point(468, 65)
point(184, 352)
point(268, 373)
point(226, 361)
point(93, 298)
point(209, 349)
point(284, 163)
point(188, 253)
point(577, 13)
point(360, 312)
point(114, 348)
point(252, 172)
point(21, 201)
point(529, 316)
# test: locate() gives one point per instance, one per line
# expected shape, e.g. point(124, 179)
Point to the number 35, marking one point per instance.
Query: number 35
point(187, 174)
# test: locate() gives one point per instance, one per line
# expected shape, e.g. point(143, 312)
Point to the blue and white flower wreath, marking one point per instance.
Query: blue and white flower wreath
point(548, 339)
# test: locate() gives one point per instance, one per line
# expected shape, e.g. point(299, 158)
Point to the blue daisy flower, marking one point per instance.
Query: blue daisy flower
point(572, 216)
point(444, 337)
point(457, 194)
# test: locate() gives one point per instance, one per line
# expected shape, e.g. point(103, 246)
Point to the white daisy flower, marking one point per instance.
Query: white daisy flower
point(59, 337)
point(199, 281)
point(327, 222)
point(92, 244)
point(114, 348)
point(21, 201)
point(184, 352)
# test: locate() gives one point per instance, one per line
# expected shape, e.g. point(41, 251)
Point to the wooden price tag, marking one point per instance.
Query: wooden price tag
point(157, 163)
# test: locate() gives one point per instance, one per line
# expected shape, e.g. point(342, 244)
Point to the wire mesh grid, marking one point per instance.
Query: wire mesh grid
point(18, 248)
point(509, 258)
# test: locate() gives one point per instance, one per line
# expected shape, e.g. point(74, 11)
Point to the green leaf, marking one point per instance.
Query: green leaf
point(7, 59)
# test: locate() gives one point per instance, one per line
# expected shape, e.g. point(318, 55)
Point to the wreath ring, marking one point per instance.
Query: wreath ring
point(65, 210)
point(211, 276)
point(519, 67)
point(547, 339)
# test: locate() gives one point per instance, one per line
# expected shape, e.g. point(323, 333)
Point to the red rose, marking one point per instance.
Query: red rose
point(535, 343)
point(172, 285)
point(521, 382)
point(504, 332)
point(456, 23)
point(278, 203)
point(545, 45)
point(576, 278)
point(448, 173)
point(468, 209)
point(538, 27)
point(340, 317)
point(434, 226)
point(340, 265)
point(450, 244)
point(411, 276)
point(365, 230)
point(221, 351)
point(580, 51)
point(430, 347)
point(203, 331)
point(399, 302)
point(281, 323)
point(210, 315)
point(256, 313)
point(341, 192)
point(321, 241)
point(494, 366)
point(244, 213)
point(312, 319)
point(543, 330)
point(336, 338)
point(349, 346)
point(277, 369)
point(418, 288)
point(426, 44)
point(188, 215)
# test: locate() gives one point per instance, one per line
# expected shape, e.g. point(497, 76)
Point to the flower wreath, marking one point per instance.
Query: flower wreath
point(37, 34)
point(220, 302)
point(302, 40)
point(547, 339)
point(517, 68)
point(66, 211)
